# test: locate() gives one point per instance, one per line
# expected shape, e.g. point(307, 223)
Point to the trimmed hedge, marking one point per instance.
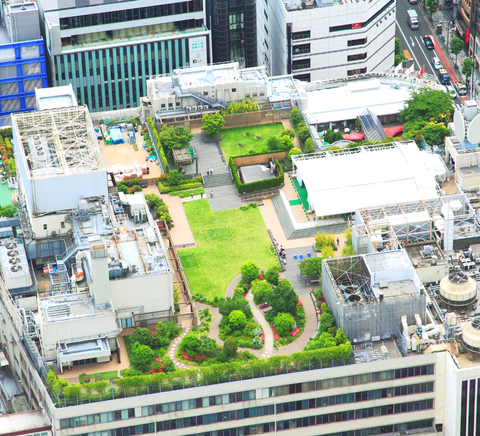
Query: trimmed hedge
point(247, 188)
point(184, 184)
point(129, 183)
point(156, 138)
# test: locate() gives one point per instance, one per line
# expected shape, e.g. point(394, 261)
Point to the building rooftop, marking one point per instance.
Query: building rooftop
point(56, 97)
point(424, 255)
point(58, 142)
point(23, 422)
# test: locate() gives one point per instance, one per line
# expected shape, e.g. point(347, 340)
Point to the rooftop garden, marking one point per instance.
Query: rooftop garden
point(225, 241)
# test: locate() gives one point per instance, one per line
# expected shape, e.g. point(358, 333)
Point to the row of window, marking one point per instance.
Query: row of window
point(364, 24)
point(357, 57)
point(130, 14)
point(251, 412)
point(289, 423)
point(296, 388)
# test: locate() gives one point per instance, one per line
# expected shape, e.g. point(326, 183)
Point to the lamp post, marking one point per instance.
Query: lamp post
point(154, 419)
point(274, 401)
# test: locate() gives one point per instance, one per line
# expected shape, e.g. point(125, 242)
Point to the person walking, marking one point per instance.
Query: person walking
point(211, 171)
point(191, 195)
point(338, 242)
point(211, 194)
point(208, 172)
point(201, 194)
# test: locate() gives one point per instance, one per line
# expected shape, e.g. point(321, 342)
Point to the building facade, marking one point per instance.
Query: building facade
point(318, 40)
point(107, 49)
point(22, 58)
point(234, 31)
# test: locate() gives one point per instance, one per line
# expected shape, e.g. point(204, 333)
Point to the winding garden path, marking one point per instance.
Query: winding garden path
point(172, 350)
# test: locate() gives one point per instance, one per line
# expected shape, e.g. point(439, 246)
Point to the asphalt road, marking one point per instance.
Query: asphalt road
point(412, 40)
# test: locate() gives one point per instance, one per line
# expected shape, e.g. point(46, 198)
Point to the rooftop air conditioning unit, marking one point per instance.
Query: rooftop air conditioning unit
point(200, 108)
point(383, 283)
point(194, 108)
point(189, 108)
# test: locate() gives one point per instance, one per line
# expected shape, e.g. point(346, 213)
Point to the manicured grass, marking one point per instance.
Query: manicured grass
point(188, 260)
point(187, 192)
point(105, 375)
point(221, 233)
point(231, 138)
point(220, 260)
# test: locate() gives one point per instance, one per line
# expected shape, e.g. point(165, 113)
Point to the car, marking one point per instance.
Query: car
point(451, 90)
point(428, 41)
point(264, 305)
point(436, 63)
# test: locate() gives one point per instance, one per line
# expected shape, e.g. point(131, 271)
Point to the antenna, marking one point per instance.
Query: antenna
point(473, 133)
point(459, 126)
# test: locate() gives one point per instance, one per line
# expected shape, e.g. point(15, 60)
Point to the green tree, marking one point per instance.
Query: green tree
point(341, 337)
point(303, 133)
point(423, 106)
point(467, 68)
point(326, 340)
point(285, 143)
point(190, 343)
point(261, 290)
point(327, 252)
point(72, 391)
point(237, 320)
point(328, 137)
point(144, 337)
point(432, 6)
point(435, 133)
point(100, 386)
point(284, 299)
point(323, 239)
point(294, 151)
point(272, 275)
point(338, 136)
point(8, 210)
point(181, 136)
point(273, 143)
point(347, 250)
point(212, 124)
point(456, 46)
point(309, 146)
point(142, 356)
point(326, 321)
point(288, 132)
point(249, 272)
point(296, 117)
point(207, 345)
point(230, 347)
point(226, 307)
point(311, 267)
point(284, 323)
point(174, 178)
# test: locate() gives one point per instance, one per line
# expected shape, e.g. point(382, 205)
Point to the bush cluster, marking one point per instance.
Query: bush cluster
point(247, 188)
point(296, 118)
point(156, 138)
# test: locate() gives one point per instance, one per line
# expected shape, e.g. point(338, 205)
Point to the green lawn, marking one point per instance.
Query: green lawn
point(231, 138)
point(105, 375)
point(225, 241)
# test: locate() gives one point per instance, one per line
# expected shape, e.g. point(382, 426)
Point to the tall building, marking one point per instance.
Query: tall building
point(107, 49)
point(234, 31)
point(22, 58)
point(325, 39)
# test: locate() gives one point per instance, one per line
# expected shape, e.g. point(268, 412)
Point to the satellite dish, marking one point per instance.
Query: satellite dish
point(473, 134)
point(459, 126)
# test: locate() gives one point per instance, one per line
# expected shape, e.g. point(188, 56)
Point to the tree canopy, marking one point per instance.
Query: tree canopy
point(456, 46)
point(424, 106)
point(284, 299)
point(212, 124)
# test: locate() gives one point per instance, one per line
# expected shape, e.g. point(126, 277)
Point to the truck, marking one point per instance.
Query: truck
point(460, 87)
point(443, 76)
point(413, 19)
point(412, 2)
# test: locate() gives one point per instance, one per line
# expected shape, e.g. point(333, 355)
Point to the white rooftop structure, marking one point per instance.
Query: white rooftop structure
point(340, 183)
point(55, 98)
point(344, 99)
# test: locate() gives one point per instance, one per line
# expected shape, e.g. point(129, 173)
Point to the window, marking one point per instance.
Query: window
point(356, 57)
point(266, 43)
point(44, 227)
point(265, 13)
point(300, 35)
point(62, 225)
point(205, 93)
point(358, 71)
point(266, 30)
point(300, 64)
point(301, 49)
point(355, 42)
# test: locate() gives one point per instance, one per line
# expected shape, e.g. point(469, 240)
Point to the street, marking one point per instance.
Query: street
point(412, 41)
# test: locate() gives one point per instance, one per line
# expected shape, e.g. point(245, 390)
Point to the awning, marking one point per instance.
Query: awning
point(3, 359)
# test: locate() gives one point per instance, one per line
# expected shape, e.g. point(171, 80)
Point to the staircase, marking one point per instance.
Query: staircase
point(216, 180)
point(289, 227)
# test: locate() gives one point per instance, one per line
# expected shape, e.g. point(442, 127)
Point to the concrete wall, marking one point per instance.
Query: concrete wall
point(261, 158)
point(53, 223)
point(153, 292)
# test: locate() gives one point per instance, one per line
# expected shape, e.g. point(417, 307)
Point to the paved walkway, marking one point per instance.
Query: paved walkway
point(172, 350)
point(267, 330)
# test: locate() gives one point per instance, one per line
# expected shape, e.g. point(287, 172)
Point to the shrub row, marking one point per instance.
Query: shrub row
point(296, 118)
point(156, 138)
point(247, 188)
point(166, 189)
point(129, 183)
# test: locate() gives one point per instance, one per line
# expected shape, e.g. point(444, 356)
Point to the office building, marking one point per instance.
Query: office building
point(318, 40)
point(107, 49)
point(234, 31)
point(22, 58)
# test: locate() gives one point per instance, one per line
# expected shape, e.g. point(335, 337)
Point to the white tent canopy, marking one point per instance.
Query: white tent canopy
point(341, 183)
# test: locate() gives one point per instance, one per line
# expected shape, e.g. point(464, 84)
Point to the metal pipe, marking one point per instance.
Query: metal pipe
point(140, 250)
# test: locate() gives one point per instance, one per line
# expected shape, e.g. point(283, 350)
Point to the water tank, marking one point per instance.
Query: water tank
point(457, 289)
point(471, 335)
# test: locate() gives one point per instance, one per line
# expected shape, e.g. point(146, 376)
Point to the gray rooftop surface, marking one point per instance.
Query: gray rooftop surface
point(254, 173)
point(387, 261)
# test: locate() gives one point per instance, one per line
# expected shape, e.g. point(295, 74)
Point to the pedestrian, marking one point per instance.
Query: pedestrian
point(191, 195)
point(338, 242)
point(275, 242)
point(208, 172)
point(211, 194)
point(201, 194)
point(211, 171)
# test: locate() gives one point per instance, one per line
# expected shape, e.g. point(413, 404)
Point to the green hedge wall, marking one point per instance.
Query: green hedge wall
point(156, 138)
point(260, 185)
